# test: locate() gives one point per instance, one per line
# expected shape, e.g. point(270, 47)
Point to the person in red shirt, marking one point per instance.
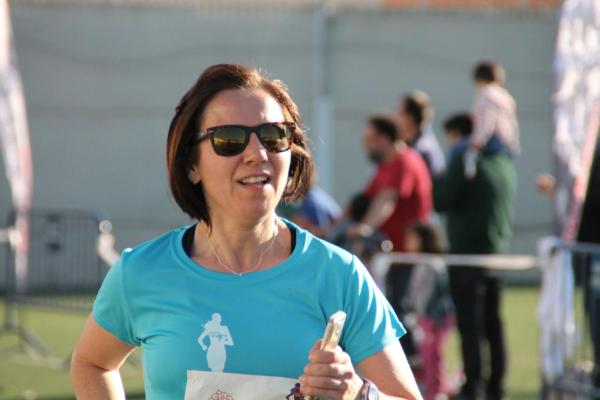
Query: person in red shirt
point(400, 190)
point(401, 194)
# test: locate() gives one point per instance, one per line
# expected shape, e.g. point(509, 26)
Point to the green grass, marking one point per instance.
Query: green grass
point(22, 377)
point(520, 318)
point(25, 377)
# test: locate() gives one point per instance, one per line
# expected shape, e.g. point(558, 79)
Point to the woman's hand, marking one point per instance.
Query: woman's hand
point(330, 375)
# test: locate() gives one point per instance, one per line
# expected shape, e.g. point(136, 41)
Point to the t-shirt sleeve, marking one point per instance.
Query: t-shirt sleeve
point(406, 178)
point(111, 307)
point(400, 178)
point(371, 323)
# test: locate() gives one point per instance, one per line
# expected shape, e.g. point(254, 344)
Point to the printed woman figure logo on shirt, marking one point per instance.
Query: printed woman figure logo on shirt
point(219, 337)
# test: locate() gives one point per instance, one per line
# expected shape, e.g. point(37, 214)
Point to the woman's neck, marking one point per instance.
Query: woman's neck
point(238, 248)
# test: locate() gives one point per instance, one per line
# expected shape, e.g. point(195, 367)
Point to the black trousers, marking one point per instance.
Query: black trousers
point(477, 297)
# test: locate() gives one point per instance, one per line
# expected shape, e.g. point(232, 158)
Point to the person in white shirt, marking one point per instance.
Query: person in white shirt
point(494, 114)
point(415, 114)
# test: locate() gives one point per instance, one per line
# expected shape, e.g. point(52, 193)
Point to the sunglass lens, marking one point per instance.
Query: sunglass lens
point(229, 141)
point(275, 137)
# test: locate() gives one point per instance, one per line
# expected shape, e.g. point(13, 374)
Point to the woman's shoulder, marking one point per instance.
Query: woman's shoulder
point(153, 250)
point(316, 248)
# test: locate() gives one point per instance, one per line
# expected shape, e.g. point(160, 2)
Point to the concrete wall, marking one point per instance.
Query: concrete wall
point(101, 83)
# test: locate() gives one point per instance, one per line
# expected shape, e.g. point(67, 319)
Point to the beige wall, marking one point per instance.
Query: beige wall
point(101, 83)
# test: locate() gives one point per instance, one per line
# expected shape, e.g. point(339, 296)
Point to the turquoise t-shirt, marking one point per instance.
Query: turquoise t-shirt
point(214, 335)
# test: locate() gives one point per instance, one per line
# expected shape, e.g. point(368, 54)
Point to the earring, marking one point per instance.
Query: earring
point(193, 177)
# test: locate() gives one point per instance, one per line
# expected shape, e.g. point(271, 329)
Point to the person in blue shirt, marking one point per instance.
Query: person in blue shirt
point(316, 211)
point(233, 305)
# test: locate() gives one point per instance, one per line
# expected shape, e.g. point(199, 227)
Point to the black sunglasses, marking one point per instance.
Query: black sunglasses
point(231, 140)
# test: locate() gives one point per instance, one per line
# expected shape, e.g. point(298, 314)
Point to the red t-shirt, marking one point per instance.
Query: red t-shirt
point(407, 173)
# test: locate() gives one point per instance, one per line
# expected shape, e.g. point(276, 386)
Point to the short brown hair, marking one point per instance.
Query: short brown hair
point(489, 71)
point(384, 125)
point(188, 118)
point(431, 237)
point(460, 122)
point(417, 104)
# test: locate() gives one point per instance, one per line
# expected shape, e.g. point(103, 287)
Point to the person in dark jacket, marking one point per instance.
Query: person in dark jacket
point(589, 264)
point(478, 221)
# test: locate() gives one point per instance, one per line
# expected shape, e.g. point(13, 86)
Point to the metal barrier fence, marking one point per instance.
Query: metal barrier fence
point(64, 267)
point(569, 317)
point(507, 262)
point(67, 261)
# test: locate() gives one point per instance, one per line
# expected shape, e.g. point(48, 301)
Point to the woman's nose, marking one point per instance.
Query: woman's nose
point(255, 150)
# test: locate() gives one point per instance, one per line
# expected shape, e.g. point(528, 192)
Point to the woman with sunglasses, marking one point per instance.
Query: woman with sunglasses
point(232, 307)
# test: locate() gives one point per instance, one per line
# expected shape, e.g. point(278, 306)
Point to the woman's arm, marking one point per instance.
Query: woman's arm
point(390, 372)
point(201, 339)
point(95, 364)
point(381, 208)
point(228, 338)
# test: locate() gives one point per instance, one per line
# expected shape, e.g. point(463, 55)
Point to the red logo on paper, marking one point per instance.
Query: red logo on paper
point(295, 393)
point(220, 395)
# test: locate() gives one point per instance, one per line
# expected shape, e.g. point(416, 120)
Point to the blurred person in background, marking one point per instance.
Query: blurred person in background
point(400, 194)
point(364, 247)
point(430, 306)
point(494, 112)
point(479, 221)
point(586, 266)
point(315, 212)
point(415, 114)
point(237, 301)
point(400, 189)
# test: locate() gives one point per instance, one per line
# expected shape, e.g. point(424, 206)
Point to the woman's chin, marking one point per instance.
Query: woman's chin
point(256, 211)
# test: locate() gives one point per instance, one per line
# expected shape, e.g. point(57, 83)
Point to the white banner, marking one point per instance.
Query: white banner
point(14, 141)
point(577, 106)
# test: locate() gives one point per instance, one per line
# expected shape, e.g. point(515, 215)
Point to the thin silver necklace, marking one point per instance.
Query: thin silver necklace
point(259, 258)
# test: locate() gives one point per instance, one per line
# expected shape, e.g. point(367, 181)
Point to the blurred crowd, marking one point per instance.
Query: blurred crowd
point(471, 187)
